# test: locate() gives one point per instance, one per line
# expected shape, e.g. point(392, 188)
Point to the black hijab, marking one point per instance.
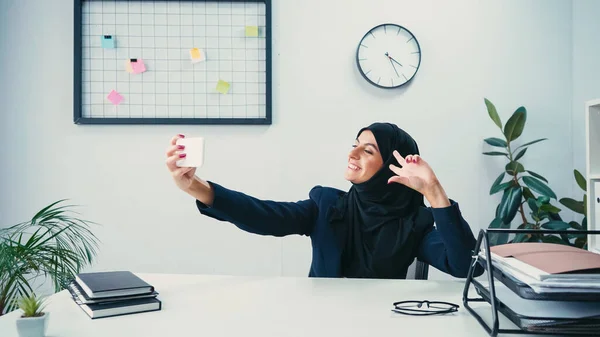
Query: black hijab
point(382, 217)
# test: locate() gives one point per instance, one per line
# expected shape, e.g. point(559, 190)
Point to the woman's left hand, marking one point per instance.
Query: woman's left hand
point(414, 172)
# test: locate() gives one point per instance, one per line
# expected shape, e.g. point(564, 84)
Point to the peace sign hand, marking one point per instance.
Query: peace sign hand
point(414, 173)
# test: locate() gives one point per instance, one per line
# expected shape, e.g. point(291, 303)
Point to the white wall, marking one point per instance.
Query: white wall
point(586, 72)
point(513, 52)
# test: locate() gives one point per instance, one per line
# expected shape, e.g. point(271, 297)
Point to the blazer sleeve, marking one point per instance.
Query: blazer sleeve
point(263, 217)
point(449, 245)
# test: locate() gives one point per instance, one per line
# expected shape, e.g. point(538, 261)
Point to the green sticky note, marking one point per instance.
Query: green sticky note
point(252, 31)
point(223, 87)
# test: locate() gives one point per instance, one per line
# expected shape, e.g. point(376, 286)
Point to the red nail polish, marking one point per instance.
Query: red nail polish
point(181, 155)
point(180, 147)
point(182, 136)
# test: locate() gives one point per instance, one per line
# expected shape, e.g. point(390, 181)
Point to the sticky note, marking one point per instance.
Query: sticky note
point(114, 97)
point(108, 41)
point(196, 55)
point(222, 87)
point(128, 66)
point(137, 65)
point(252, 31)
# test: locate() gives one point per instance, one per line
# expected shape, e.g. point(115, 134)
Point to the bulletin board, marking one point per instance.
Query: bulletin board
point(172, 62)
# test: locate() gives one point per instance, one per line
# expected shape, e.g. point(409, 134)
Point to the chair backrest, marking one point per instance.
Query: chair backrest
point(418, 270)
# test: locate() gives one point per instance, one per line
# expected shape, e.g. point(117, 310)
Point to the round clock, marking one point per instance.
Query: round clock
point(388, 56)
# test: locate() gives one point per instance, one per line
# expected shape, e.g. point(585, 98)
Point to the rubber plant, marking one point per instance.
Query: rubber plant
point(53, 244)
point(526, 197)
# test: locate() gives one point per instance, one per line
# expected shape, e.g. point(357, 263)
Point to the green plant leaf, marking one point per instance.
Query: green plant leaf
point(496, 153)
point(574, 205)
point(527, 193)
point(520, 154)
point(497, 142)
point(498, 238)
point(550, 208)
point(557, 225)
point(575, 225)
point(501, 187)
point(515, 124)
point(493, 113)
point(580, 242)
point(514, 167)
point(580, 180)
point(496, 183)
point(533, 205)
point(539, 187)
point(511, 200)
point(537, 176)
point(530, 143)
point(520, 237)
point(553, 239)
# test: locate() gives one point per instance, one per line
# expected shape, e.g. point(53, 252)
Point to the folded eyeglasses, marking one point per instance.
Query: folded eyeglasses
point(424, 308)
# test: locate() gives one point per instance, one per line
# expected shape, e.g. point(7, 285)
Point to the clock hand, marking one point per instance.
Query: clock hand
point(394, 68)
point(392, 59)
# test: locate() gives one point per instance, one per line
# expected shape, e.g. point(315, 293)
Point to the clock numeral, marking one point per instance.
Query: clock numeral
point(413, 66)
point(367, 73)
point(372, 34)
point(399, 30)
point(364, 45)
point(404, 76)
point(391, 79)
point(378, 80)
point(416, 52)
point(410, 39)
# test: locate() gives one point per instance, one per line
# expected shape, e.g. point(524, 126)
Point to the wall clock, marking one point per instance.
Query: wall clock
point(388, 56)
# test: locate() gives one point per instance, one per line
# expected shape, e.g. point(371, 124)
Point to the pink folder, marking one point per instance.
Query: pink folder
point(551, 257)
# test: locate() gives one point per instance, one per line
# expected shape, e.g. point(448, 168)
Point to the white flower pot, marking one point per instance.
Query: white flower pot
point(32, 326)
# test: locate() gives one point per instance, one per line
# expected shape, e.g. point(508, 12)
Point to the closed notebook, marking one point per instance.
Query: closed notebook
point(80, 297)
point(549, 260)
point(112, 283)
point(109, 309)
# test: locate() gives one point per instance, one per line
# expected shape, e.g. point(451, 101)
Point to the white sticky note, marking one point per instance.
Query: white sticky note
point(194, 150)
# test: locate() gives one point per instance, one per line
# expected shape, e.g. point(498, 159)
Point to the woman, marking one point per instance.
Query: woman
point(375, 230)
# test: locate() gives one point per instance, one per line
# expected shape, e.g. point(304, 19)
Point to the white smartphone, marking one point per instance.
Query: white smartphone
point(194, 150)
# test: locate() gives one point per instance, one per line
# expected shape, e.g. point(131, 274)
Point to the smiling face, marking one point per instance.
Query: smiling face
point(364, 160)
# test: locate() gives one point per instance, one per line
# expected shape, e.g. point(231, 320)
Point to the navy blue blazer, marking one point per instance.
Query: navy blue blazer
point(447, 243)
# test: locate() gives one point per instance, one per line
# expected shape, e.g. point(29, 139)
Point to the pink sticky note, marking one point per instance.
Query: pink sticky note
point(138, 66)
point(115, 97)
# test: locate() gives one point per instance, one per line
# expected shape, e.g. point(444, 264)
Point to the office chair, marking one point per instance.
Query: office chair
point(418, 270)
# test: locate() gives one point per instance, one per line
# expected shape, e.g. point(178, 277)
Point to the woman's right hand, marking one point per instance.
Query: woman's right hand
point(183, 176)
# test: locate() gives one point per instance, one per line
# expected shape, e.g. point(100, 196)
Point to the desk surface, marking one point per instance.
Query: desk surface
point(206, 305)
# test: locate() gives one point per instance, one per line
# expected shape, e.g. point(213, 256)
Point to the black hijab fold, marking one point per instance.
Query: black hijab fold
point(381, 216)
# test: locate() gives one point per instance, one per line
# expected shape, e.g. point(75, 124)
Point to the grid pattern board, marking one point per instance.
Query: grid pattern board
point(160, 34)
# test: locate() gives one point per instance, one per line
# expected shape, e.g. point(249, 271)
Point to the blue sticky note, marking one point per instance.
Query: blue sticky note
point(108, 41)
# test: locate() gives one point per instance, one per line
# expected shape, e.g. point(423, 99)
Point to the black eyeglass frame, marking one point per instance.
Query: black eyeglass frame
point(419, 312)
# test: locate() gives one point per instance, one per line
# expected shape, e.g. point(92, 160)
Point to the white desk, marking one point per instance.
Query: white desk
point(202, 305)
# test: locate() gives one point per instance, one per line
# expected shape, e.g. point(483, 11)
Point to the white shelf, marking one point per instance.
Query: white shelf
point(592, 163)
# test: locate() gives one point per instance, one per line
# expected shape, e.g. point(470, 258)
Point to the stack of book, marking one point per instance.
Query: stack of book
point(113, 293)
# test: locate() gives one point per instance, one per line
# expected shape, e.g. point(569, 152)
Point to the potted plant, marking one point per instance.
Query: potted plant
point(34, 321)
point(53, 244)
point(524, 189)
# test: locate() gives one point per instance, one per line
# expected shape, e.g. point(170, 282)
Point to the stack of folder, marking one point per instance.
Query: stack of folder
point(546, 287)
point(113, 293)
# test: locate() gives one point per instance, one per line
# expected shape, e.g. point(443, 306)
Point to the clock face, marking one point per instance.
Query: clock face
point(388, 56)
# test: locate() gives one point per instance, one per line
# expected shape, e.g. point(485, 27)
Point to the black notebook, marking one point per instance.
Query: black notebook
point(112, 284)
point(108, 309)
point(80, 297)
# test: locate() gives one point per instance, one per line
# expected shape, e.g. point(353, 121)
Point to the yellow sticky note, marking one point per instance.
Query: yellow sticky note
point(196, 55)
point(128, 66)
point(252, 31)
point(222, 87)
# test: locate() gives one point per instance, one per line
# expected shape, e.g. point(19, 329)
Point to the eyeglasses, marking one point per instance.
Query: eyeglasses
point(415, 308)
